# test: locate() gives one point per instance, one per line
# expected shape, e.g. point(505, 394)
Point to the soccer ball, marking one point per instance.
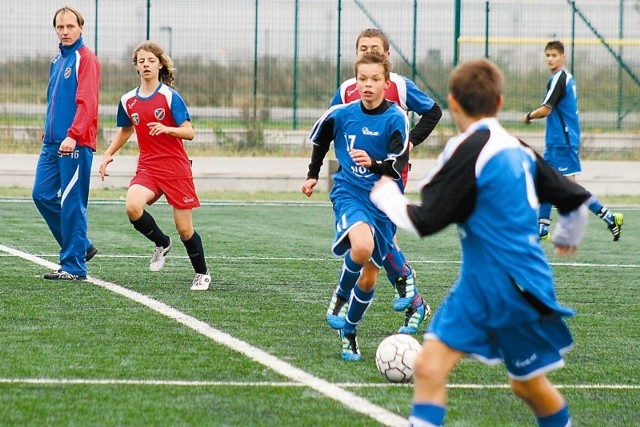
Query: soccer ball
point(395, 357)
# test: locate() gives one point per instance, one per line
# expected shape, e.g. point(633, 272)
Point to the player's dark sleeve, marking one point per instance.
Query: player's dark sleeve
point(320, 149)
point(425, 125)
point(557, 92)
point(450, 196)
point(393, 166)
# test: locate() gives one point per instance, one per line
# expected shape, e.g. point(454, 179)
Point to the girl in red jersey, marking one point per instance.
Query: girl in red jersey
point(160, 119)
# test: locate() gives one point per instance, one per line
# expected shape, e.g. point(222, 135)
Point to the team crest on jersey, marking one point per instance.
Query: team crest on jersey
point(67, 72)
point(135, 118)
point(159, 113)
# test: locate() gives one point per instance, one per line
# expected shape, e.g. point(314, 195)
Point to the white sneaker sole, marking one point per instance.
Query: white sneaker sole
point(202, 286)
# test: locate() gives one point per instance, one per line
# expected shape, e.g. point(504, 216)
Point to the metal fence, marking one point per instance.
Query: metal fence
point(257, 72)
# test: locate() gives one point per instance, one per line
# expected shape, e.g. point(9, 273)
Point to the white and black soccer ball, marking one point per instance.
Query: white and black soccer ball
point(395, 357)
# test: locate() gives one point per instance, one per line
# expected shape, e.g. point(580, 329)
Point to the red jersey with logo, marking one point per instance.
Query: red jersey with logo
point(162, 155)
point(402, 91)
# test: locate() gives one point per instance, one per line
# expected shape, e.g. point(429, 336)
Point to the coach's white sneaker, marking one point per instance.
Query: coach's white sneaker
point(158, 257)
point(201, 282)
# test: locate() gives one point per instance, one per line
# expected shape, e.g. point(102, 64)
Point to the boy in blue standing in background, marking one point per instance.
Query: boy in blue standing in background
point(562, 136)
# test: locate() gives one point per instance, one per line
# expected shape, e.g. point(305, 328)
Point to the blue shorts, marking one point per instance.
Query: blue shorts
point(564, 158)
point(507, 329)
point(350, 209)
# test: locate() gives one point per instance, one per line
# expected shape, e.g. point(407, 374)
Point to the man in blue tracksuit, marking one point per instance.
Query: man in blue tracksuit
point(61, 188)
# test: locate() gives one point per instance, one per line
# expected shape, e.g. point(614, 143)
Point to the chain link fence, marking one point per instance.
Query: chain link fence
point(257, 73)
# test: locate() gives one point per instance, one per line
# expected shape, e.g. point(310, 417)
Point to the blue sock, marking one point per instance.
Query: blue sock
point(395, 265)
point(349, 275)
point(596, 207)
point(358, 304)
point(559, 419)
point(544, 211)
point(426, 414)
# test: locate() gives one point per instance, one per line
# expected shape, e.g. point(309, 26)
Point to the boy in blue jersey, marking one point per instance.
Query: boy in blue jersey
point(370, 139)
point(61, 187)
point(409, 97)
point(562, 136)
point(503, 305)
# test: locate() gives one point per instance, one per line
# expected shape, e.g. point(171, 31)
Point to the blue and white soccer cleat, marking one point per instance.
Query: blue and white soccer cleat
point(350, 349)
point(337, 311)
point(405, 291)
point(416, 313)
point(543, 229)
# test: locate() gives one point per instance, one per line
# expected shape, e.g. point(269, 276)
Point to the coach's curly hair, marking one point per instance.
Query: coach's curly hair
point(167, 72)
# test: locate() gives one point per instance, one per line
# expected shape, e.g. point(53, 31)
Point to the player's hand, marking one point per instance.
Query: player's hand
point(103, 166)
point(527, 118)
point(308, 186)
point(360, 157)
point(66, 147)
point(157, 128)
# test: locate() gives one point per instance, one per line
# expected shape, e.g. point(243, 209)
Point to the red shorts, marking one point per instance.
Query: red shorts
point(180, 192)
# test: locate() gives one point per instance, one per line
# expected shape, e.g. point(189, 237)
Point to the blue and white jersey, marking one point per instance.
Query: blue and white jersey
point(490, 184)
point(382, 133)
point(563, 124)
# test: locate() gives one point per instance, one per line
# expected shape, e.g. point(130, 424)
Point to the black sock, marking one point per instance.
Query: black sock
point(196, 253)
point(147, 226)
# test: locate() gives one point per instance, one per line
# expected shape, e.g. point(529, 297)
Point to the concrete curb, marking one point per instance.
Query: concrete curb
point(252, 174)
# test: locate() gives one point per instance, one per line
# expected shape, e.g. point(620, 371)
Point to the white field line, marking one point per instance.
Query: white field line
point(287, 370)
point(181, 383)
point(308, 203)
point(301, 259)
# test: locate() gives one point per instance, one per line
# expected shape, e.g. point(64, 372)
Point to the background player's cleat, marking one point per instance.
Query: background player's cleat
point(63, 275)
point(201, 282)
point(405, 291)
point(350, 349)
point(158, 257)
point(616, 227)
point(415, 315)
point(91, 252)
point(337, 311)
point(543, 230)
